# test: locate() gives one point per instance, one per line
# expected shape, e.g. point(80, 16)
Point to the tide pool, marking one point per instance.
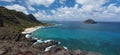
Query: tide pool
point(103, 37)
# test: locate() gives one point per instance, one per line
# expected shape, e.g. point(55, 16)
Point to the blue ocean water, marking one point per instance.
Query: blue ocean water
point(103, 37)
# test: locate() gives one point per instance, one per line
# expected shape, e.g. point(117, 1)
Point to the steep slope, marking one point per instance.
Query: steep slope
point(13, 22)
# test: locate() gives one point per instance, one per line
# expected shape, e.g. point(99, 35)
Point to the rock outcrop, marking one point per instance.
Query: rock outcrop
point(24, 48)
point(57, 50)
point(21, 47)
point(90, 21)
point(1, 23)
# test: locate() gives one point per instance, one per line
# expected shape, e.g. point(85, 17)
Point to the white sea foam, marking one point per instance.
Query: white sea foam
point(47, 41)
point(65, 48)
point(59, 42)
point(35, 38)
point(39, 41)
point(48, 48)
point(28, 36)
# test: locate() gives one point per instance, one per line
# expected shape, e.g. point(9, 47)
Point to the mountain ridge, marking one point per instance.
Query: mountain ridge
point(12, 18)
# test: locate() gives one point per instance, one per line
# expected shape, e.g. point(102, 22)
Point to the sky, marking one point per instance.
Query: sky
point(67, 10)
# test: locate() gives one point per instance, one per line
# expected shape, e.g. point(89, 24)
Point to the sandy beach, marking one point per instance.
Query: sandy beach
point(31, 29)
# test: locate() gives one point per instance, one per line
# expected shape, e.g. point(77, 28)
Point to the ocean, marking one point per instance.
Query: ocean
point(103, 37)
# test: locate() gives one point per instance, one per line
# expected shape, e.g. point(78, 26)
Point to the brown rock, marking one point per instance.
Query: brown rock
point(3, 52)
point(25, 53)
point(19, 53)
point(28, 53)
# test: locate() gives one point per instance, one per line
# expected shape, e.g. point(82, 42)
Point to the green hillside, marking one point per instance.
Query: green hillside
point(18, 21)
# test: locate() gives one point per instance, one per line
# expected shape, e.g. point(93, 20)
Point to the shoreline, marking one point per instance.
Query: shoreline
point(20, 44)
point(31, 29)
point(55, 44)
point(28, 32)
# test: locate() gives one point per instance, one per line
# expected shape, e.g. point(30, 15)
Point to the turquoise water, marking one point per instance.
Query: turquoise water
point(103, 37)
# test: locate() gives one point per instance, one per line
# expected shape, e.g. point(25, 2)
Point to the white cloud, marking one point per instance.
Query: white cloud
point(31, 8)
point(31, 3)
point(91, 9)
point(113, 9)
point(65, 13)
point(90, 5)
point(92, 2)
point(8, 0)
point(17, 8)
point(46, 3)
point(62, 2)
point(62, 13)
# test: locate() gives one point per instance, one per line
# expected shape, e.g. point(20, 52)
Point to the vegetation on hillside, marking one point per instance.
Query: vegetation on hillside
point(17, 21)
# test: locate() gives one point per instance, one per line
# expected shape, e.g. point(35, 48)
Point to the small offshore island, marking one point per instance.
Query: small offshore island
point(90, 21)
point(13, 42)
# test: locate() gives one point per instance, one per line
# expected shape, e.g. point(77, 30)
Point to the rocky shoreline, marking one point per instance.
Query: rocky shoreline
point(20, 45)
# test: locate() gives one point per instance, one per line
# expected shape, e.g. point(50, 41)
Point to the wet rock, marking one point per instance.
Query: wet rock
point(57, 50)
point(43, 45)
